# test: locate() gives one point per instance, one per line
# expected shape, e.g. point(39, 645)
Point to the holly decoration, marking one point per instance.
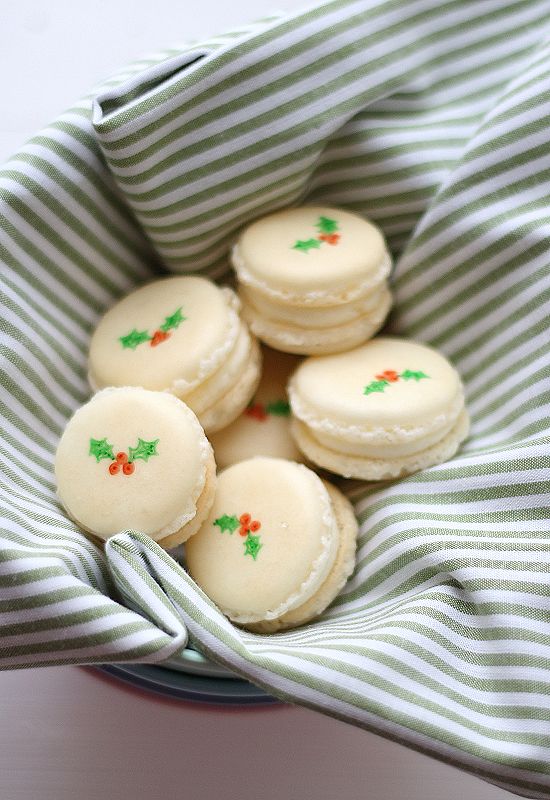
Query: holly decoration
point(227, 523)
point(247, 527)
point(384, 379)
point(101, 448)
point(122, 462)
point(161, 334)
point(327, 234)
point(132, 339)
point(261, 411)
point(143, 450)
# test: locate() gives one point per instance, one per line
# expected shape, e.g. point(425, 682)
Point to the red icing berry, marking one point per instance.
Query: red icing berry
point(158, 337)
point(388, 375)
point(122, 458)
point(114, 468)
point(243, 530)
point(128, 468)
point(255, 526)
point(330, 238)
point(244, 519)
point(256, 411)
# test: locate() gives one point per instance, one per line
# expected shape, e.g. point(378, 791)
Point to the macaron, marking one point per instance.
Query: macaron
point(313, 280)
point(135, 459)
point(263, 429)
point(277, 547)
point(388, 408)
point(181, 335)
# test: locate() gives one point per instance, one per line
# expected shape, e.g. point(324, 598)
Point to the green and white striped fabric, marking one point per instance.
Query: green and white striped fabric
point(432, 118)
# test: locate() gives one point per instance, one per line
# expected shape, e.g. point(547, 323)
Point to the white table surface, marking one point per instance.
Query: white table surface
point(67, 733)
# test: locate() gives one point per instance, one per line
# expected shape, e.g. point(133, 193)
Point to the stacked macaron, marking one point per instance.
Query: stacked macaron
point(181, 335)
point(388, 408)
point(313, 280)
point(264, 426)
point(132, 458)
point(277, 547)
point(176, 361)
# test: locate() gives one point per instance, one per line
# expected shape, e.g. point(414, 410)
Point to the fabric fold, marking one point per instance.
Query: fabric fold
point(431, 119)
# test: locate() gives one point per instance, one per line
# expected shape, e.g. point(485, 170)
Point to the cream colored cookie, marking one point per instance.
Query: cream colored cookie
point(387, 408)
point(264, 426)
point(313, 279)
point(182, 335)
point(270, 542)
point(337, 577)
point(135, 459)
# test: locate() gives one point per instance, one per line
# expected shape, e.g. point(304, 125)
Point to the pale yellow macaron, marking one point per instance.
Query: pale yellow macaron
point(135, 459)
point(388, 408)
point(182, 335)
point(313, 279)
point(263, 429)
point(277, 547)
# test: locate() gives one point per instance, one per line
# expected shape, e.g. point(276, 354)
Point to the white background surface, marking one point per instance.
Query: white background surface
point(66, 733)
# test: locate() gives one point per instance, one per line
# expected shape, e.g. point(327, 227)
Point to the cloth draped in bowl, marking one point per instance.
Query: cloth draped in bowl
point(432, 119)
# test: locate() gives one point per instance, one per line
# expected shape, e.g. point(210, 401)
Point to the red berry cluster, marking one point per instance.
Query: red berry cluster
point(158, 337)
point(248, 525)
point(329, 238)
point(256, 411)
point(121, 462)
point(389, 375)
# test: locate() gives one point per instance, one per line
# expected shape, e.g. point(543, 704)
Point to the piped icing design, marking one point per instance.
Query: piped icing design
point(327, 234)
point(247, 527)
point(123, 462)
point(261, 411)
point(133, 339)
point(388, 376)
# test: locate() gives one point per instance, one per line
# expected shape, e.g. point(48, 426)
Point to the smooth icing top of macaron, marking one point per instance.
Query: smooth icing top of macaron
point(387, 385)
point(169, 334)
point(132, 458)
point(311, 254)
point(269, 542)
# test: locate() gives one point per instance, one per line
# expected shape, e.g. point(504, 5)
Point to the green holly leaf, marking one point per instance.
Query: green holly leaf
point(252, 546)
point(101, 448)
point(279, 408)
point(227, 523)
point(143, 450)
point(307, 245)
point(410, 374)
point(173, 321)
point(132, 339)
point(326, 225)
point(375, 386)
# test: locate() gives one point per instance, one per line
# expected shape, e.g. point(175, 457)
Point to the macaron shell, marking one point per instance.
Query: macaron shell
point(236, 398)
point(203, 506)
point(268, 254)
point(263, 428)
point(317, 341)
point(343, 566)
point(295, 544)
point(166, 451)
point(379, 469)
point(171, 330)
point(335, 393)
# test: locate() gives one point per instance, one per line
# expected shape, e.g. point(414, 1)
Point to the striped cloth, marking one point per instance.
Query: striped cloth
point(431, 118)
